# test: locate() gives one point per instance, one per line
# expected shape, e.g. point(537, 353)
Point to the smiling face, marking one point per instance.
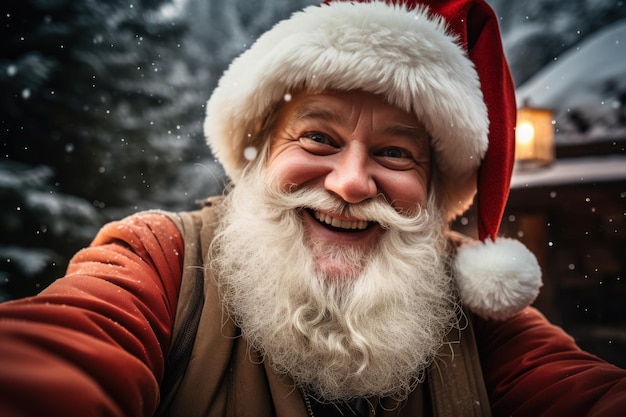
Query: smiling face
point(357, 147)
point(348, 299)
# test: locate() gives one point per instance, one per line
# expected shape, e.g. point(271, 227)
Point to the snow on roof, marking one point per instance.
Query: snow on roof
point(574, 171)
point(579, 76)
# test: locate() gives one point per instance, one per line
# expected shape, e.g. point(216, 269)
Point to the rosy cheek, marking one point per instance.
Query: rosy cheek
point(296, 168)
point(405, 190)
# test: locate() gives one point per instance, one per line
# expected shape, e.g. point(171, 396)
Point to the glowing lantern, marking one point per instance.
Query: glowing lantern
point(534, 138)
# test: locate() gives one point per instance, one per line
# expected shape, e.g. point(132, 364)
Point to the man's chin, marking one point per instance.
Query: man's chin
point(340, 263)
point(337, 272)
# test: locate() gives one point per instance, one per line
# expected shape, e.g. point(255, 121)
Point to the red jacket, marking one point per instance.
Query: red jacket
point(93, 343)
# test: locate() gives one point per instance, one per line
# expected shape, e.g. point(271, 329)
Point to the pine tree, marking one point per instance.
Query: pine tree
point(94, 119)
point(89, 88)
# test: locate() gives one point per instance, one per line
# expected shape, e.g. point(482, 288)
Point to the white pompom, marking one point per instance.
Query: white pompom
point(497, 279)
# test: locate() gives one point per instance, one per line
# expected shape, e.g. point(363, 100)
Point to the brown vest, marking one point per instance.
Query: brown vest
point(214, 372)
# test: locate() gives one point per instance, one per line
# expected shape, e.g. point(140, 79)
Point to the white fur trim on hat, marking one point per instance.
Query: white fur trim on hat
point(497, 279)
point(407, 56)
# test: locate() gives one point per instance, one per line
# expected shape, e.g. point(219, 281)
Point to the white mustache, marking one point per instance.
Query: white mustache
point(374, 210)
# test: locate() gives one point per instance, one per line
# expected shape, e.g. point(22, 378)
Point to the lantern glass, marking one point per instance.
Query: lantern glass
point(534, 138)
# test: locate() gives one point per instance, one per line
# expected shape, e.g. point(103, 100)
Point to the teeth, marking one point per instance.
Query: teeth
point(343, 224)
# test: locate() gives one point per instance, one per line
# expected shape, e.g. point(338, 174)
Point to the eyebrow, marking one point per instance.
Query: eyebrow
point(401, 129)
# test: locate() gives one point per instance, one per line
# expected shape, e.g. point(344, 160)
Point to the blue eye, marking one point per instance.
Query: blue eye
point(394, 153)
point(318, 137)
point(318, 143)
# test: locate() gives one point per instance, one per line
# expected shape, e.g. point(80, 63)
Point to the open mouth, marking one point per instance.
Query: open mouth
point(338, 224)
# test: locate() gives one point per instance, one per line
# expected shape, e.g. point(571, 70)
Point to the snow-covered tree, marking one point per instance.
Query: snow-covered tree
point(101, 109)
point(94, 117)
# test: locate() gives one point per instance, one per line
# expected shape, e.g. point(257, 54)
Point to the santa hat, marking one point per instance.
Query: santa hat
point(441, 60)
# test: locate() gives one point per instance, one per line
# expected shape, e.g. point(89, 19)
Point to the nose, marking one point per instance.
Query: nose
point(350, 177)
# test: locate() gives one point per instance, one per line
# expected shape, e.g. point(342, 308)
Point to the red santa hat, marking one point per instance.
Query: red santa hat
point(441, 60)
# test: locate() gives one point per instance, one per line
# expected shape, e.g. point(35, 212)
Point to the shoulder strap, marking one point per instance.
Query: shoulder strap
point(456, 383)
point(192, 226)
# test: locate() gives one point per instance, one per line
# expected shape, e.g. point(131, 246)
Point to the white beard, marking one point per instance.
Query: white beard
point(370, 335)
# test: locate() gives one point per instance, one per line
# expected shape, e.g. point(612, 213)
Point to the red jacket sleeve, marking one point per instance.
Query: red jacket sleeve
point(93, 343)
point(533, 368)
